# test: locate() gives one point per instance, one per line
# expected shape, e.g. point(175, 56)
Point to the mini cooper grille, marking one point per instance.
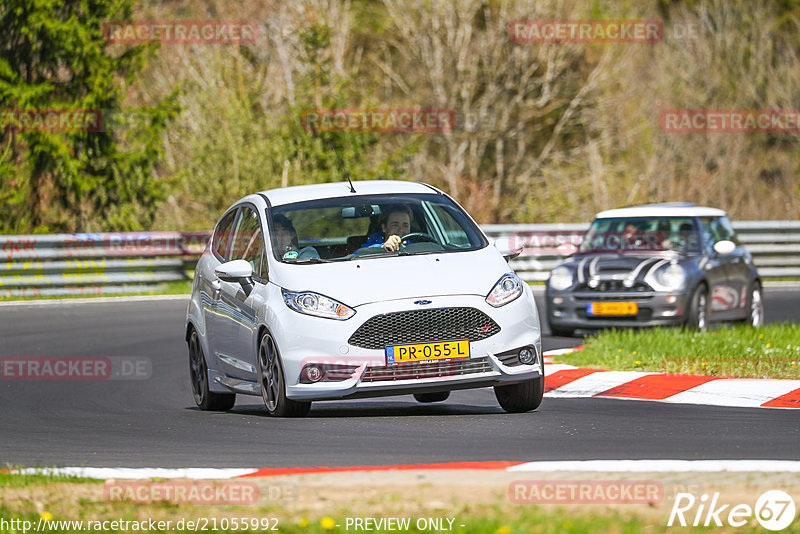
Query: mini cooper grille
point(415, 371)
point(423, 326)
point(615, 285)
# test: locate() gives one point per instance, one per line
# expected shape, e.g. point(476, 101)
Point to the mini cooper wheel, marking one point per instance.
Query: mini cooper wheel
point(432, 397)
point(698, 309)
point(522, 397)
point(198, 372)
point(755, 317)
point(273, 383)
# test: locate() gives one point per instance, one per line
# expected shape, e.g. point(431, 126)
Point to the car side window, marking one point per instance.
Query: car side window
point(221, 239)
point(726, 230)
point(716, 229)
point(248, 240)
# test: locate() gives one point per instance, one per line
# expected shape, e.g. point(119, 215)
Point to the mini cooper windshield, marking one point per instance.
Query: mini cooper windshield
point(641, 234)
point(340, 229)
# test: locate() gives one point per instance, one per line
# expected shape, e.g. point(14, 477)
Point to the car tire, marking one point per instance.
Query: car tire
point(273, 383)
point(755, 305)
point(698, 309)
point(522, 397)
point(432, 397)
point(198, 372)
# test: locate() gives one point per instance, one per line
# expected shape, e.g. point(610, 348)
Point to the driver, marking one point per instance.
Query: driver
point(395, 222)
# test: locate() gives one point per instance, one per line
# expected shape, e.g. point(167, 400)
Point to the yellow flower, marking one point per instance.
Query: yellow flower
point(47, 516)
point(635, 352)
point(769, 345)
point(638, 362)
point(619, 350)
point(760, 336)
point(704, 364)
point(503, 530)
point(327, 523)
point(303, 522)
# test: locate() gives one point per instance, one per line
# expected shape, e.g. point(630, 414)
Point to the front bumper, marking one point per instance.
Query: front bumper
point(654, 309)
point(304, 340)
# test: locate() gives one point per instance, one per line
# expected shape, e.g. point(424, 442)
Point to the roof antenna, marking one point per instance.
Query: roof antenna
point(352, 189)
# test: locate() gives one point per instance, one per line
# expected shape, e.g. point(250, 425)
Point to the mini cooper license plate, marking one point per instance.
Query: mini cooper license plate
point(612, 308)
point(418, 352)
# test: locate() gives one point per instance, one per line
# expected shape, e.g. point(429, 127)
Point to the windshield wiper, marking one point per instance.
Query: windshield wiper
point(310, 260)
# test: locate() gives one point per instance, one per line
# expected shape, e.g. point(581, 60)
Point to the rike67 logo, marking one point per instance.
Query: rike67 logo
point(774, 510)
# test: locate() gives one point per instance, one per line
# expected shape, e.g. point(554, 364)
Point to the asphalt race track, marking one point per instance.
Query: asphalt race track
point(154, 422)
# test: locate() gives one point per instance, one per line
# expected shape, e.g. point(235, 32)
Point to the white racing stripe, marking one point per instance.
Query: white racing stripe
point(551, 368)
point(658, 466)
point(595, 383)
point(735, 392)
point(135, 473)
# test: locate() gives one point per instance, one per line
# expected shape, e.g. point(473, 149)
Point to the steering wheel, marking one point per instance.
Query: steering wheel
point(416, 237)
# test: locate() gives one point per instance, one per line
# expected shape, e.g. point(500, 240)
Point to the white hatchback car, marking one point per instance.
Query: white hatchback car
point(334, 291)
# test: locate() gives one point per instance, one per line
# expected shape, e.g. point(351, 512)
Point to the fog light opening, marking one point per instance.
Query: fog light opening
point(527, 356)
point(558, 300)
point(312, 373)
point(672, 299)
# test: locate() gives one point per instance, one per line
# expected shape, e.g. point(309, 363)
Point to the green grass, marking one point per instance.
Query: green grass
point(9, 479)
point(772, 351)
point(178, 287)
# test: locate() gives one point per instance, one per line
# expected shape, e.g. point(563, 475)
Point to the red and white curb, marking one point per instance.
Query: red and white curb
point(597, 466)
point(562, 380)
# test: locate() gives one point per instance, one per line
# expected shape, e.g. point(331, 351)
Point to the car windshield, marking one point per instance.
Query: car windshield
point(641, 234)
point(339, 229)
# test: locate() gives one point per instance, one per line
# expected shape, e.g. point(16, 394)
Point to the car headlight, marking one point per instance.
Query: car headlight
point(508, 288)
point(670, 277)
point(315, 304)
point(561, 278)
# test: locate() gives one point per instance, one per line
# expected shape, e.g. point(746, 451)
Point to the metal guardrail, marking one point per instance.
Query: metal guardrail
point(108, 263)
point(93, 264)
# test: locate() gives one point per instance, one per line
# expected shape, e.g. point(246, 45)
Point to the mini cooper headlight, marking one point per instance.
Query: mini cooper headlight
point(315, 304)
point(561, 278)
point(667, 278)
point(508, 288)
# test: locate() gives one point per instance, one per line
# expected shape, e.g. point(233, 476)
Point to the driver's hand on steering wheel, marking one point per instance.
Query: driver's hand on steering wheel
point(392, 244)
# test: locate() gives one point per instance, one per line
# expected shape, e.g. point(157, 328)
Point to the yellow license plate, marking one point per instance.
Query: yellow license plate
point(418, 352)
point(612, 308)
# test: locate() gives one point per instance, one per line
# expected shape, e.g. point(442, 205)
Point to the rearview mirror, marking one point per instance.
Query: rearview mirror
point(724, 247)
point(509, 246)
point(234, 271)
point(237, 271)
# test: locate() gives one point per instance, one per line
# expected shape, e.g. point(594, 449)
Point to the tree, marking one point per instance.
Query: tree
point(53, 56)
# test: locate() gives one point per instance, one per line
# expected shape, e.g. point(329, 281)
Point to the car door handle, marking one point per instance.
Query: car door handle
point(216, 285)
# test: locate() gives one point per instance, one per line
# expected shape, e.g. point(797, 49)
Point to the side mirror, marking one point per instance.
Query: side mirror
point(510, 246)
point(237, 271)
point(724, 247)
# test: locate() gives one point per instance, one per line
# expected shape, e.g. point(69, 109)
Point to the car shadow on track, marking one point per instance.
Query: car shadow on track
point(395, 409)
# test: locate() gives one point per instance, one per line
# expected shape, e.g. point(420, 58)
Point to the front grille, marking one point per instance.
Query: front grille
point(615, 286)
point(415, 371)
point(424, 326)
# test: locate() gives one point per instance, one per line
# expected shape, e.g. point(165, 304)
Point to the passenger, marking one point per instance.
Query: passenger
point(286, 242)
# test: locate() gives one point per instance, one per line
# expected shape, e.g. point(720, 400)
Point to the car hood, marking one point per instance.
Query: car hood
point(358, 282)
point(618, 266)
